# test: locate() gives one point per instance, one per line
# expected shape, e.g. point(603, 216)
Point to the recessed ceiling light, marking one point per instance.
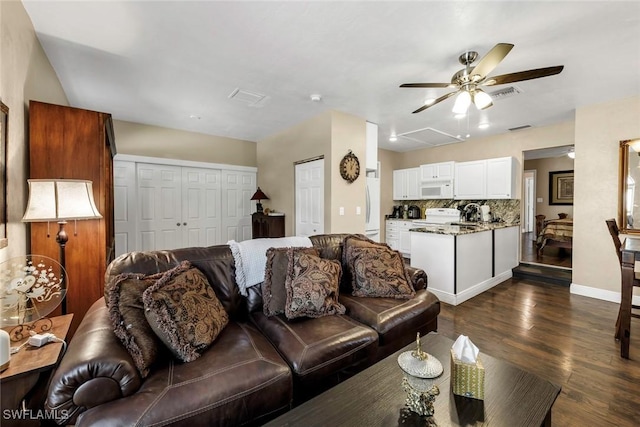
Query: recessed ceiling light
point(316, 97)
point(393, 138)
point(460, 116)
point(468, 135)
point(483, 125)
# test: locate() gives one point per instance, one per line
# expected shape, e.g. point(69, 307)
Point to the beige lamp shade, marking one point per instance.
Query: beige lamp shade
point(60, 200)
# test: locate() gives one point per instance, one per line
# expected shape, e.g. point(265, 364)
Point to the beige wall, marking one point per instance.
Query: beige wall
point(542, 168)
point(155, 141)
point(25, 74)
point(599, 128)
point(330, 135)
point(389, 161)
point(347, 133)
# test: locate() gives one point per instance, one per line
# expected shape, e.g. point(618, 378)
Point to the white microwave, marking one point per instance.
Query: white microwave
point(436, 190)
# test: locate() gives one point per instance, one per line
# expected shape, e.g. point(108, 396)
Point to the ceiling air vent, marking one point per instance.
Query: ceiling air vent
point(519, 127)
point(505, 92)
point(250, 99)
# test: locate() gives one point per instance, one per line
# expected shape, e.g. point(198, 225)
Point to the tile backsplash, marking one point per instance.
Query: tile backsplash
point(508, 210)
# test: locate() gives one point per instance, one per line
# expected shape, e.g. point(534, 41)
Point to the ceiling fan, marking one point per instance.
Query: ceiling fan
point(469, 80)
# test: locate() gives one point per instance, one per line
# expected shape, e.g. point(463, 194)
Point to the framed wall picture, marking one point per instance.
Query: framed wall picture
point(4, 134)
point(561, 188)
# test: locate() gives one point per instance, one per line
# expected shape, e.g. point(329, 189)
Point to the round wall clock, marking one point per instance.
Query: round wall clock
point(350, 167)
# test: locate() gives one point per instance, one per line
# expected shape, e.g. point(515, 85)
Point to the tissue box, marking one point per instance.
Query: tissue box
point(467, 379)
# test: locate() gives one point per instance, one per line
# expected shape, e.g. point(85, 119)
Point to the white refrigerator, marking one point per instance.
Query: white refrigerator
point(372, 228)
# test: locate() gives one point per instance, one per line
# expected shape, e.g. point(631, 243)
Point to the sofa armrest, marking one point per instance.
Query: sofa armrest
point(95, 369)
point(418, 277)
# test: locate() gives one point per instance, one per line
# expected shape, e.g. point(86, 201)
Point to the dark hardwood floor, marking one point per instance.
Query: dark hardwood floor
point(552, 256)
point(564, 338)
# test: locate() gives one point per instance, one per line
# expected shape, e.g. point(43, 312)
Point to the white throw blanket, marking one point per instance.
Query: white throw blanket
point(250, 257)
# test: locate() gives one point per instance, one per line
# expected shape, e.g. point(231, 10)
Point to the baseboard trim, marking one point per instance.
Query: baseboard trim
point(601, 294)
point(456, 299)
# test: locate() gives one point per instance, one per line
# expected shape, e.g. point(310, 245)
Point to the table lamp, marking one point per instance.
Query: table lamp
point(60, 200)
point(259, 195)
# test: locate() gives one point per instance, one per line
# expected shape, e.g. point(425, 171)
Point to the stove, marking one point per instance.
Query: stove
point(439, 216)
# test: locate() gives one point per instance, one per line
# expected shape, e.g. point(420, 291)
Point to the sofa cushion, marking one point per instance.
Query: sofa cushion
point(215, 262)
point(279, 262)
point(123, 297)
point(393, 318)
point(184, 312)
point(315, 348)
point(241, 380)
point(331, 246)
point(312, 287)
point(376, 269)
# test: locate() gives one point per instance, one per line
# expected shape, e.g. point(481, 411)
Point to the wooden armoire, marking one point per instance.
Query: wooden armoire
point(71, 143)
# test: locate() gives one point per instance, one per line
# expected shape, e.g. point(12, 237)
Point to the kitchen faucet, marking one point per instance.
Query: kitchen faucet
point(476, 211)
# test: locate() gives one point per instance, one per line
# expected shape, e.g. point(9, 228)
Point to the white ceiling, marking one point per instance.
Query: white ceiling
point(175, 63)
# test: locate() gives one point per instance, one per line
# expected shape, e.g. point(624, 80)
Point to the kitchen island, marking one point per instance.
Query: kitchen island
point(462, 261)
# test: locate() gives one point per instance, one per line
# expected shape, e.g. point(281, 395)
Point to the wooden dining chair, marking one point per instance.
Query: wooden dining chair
point(615, 235)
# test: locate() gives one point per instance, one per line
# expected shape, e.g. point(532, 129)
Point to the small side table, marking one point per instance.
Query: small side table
point(267, 225)
point(28, 374)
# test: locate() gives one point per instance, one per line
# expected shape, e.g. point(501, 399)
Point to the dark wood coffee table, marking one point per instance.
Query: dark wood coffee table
point(375, 397)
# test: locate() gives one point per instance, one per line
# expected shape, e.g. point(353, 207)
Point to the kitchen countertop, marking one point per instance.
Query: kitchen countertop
point(457, 230)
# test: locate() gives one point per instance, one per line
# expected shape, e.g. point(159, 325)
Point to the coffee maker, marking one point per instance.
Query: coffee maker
point(398, 211)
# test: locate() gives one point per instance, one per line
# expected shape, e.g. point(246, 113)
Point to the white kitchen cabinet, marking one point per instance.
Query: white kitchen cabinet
point(507, 249)
point(372, 146)
point(485, 179)
point(392, 234)
point(470, 180)
point(406, 184)
point(501, 178)
point(437, 171)
point(461, 266)
point(398, 236)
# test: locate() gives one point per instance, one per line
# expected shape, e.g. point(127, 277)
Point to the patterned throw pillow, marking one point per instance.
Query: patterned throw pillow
point(184, 312)
point(377, 270)
point(274, 293)
point(312, 287)
point(123, 297)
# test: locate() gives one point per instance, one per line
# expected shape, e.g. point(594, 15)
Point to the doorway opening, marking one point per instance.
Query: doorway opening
point(541, 217)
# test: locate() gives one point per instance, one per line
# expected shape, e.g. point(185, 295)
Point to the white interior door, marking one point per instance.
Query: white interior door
point(159, 207)
point(201, 206)
point(124, 206)
point(529, 201)
point(309, 198)
point(238, 187)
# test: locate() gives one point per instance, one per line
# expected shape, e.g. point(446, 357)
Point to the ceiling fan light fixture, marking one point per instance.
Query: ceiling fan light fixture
point(484, 125)
point(463, 100)
point(482, 100)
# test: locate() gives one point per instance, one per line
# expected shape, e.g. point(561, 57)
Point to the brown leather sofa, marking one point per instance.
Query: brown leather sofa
point(257, 368)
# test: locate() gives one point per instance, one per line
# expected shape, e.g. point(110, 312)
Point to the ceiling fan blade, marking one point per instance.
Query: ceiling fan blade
point(428, 85)
point(491, 60)
point(442, 98)
point(523, 75)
